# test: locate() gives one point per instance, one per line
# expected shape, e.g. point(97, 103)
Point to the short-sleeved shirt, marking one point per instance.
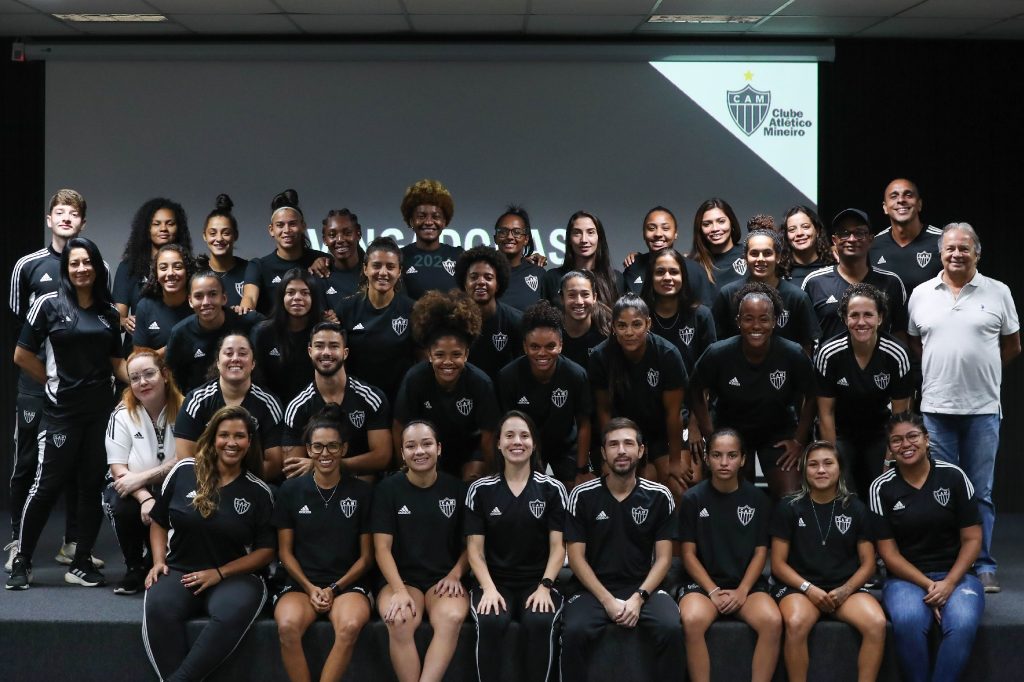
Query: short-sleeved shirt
point(754, 399)
point(925, 522)
point(961, 366)
point(524, 286)
point(798, 272)
point(239, 524)
point(267, 271)
point(500, 340)
point(127, 289)
point(726, 528)
point(691, 331)
point(33, 275)
point(620, 536)
point(826, 287)
point(459, 414)
point(282, 364)
point(728, 267)
point(552, 284)
point(862, 396)
point(580, 348)
point(429, 270)
point(154, 321)
point(796, 322)
point(659, 370)
point(364, 406)
point(380, 345)
point(340, 284)
point(234, 281)
point(915, 263)
point(136, 441)
point(327, 524)
point(516, 529)
point(425, 524)
point(701, 288)
point(203, 402)
point(191, 348)
point(822, 538)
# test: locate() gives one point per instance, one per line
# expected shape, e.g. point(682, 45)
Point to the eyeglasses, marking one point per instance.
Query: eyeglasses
point(912, 437)
point(334, 447)
point(148, 375)
point(516, 232)
point(854, 234)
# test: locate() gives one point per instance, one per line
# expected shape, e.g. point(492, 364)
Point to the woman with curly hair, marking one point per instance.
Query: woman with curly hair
point(483, 273)
point(806, 247)
point(586, 248)
point(341, 233)
point(513, 236)
point(164, 301)
point(455, 396)
point(220, 232)
point(716, 243)
point(211, 536)
point(427, 208)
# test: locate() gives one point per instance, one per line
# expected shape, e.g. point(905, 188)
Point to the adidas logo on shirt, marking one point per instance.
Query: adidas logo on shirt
point(881, 260)
point(801, 523)
point(843, 382)
point(831, 299)
point(199, 353)
point(305, 510)
point(412, 270)
point(331, 291)
point(495, 512)
point(276, 280)
point(601, 516)
point(523, 401)
point(639, 280)
point(46, 277)
point(275, 353)
point(704, 513)
point(899, 506)
point(358, 326)
point(404, 511)
point(138, 435)
point(427, 405)
point(191, 495)
point(734, 382)
point(154, 325)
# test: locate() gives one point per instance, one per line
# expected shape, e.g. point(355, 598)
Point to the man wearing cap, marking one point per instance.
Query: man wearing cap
point(851, 239)
point(907, 247)
point(965, 326)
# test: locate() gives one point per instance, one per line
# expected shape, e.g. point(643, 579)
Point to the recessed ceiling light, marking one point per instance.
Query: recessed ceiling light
point(701, 19)
point(111, 17)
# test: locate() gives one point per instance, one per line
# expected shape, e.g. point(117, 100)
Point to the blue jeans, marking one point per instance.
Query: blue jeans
point(912, 619)
point(970, 441)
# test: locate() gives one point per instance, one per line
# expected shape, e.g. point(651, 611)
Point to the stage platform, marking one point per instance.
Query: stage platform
point(57, 631)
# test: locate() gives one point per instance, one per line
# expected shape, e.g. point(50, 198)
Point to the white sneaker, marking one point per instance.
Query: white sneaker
point(12, 551)
point(66, 555)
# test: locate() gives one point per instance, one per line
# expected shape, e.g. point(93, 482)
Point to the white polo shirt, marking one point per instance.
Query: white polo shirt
point(961, 368)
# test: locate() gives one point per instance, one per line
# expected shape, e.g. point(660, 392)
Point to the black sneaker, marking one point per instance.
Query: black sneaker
point(84, 574)
point(133, 581)
point(21, 574)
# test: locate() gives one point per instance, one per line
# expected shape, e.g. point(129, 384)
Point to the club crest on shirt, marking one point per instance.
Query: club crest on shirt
point(499, 340)
point(348, 507)
point(238, 287)
point(399, 325)
point(59, 439)
point(882, 380)
point(740, 266)
point(559, 396)
point(783, 319)
point(639, 515)
point(29, 416)
point(924, 258)
point(242, 505)
point(447, 506)
point(464, 406)
point(941, 496)
point(778, 379)
point(532, 282)
point(537, 508)
point(652, 377)
point(686, 335)
point(843, 523)
point(357, 417)
point(449, 267)
point(745, 514)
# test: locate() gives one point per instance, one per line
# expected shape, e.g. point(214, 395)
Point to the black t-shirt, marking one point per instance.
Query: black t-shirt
point(459, 414)
point(523, 286)
point(915, 263)
point(728, 267)
point(659, 370)
point(620, 536)
point(33, 275)
point(862, 396)
point(427, 270)
point(556, 406)
point(154, 321)
point(500, 341)
point(579, 348)
point(826, 287)
point(756, 400)
point(327, 533)
point(726, 527)
point(78, 371)
point(798, 272)
point(234, 281)
point(691, 331)
point(240, 524)
point(925, 523)
point(365, 407)
point(516, 529)
point(380, 345)
point(425, 524)
point(822, 538)
point(191, 349)
point(696, 279)
point(203, 402)
point(127, 289)
point(266, 273)
point(552, 283)
point(797, 321)
point(339, 285)
point(282, 364)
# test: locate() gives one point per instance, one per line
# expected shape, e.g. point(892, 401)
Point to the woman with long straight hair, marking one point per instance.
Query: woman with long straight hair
point(716, 243)
point(586, 248)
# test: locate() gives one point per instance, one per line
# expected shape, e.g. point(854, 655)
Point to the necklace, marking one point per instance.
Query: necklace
point(319, 492)
point(828, 528)
point(159, 438)
point(671, 325)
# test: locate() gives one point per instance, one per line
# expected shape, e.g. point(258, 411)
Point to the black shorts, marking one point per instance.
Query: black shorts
point(292, 586)
point(760, 585)
point(780, 591)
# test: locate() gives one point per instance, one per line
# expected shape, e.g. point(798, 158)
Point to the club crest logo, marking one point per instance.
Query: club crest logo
point(241, 505)
point(639, 515)
point(783, 319)
point(29, 416)
point(941, 496)
point(686, 335)
point(924, 258)
point(745, 514)
point(652, 377)
point(59, 439)
point(348, 507)
point(447, 506)
point(238, 287)
point(748, 107)
point(843, 523)
point(532, 282)
point(739, 266)
point(449, 267)
point(882, 380)
point(464, 406)
point(537, 508)
point(559, 396)
point(357, 417)
point(499, 340)
point(778, 379)
point(399, 325)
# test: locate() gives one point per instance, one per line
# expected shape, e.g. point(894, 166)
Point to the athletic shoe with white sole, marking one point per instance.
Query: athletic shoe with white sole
point(12, 551)
point(84, 574)
point(134, 581)
point(21, 574)
point(66, 555)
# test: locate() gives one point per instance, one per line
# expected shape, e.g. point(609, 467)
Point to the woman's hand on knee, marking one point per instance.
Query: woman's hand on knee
point(491, 601)
point(155, 573)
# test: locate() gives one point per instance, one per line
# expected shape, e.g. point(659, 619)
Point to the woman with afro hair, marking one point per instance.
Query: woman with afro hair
point(483, 273)
point(427, 208)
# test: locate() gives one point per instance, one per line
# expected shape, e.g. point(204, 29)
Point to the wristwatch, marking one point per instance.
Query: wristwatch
point(335, 590)
point(547, 582)
point(644, 594)
point(804, 586)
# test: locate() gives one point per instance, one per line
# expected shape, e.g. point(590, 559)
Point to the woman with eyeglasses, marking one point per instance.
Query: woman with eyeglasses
point(514, 238)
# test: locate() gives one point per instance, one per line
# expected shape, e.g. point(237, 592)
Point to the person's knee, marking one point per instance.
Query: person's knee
point(402, 631)
point(798, 624)
point(347, 629)
point(768, 622)
point(447, 617)
point(493, 623)
point(664, 631)
point(290, 630)
point(536, 621)
point(695, 623)
point(873, 625)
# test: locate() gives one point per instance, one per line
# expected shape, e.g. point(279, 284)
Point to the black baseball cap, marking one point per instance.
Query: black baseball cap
point(856, 213)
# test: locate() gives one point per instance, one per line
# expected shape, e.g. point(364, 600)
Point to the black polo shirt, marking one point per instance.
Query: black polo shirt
point(202, 403)
point(915, 263)
point(380, 345)
point(822, 538)
point(192, 349)
point(364, 406)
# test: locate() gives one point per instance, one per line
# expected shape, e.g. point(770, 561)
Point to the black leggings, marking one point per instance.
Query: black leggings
point(232, 607)
point(125, 516)
point(539, 629)
point(862, 459)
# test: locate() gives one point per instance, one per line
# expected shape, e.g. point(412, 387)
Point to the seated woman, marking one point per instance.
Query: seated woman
point(929, 536)
point(323, 534)
point(822, 555)
point(140, 441)
point(211, 535)
point(516, 553)
point(723, 527)
point(164, 301)
point(417, 538)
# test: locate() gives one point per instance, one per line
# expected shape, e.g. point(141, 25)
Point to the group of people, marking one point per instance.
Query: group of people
point(329, 409)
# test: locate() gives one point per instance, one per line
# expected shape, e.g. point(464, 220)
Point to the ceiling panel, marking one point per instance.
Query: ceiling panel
point(163, 28)
point(467, 23)
point(34, 25)
point(691, 29)
point(914, 27)
point(847, 8)
point(1011, 28)
point(237, 24)
point(214, 6)
point(575, 24)
point(336, 7)
point(830, 26)
point(987, 9)
point(466, 7)
point(352, 23)
point(613, 7)
point(12, 7)
point(728, 7)
point(90, 6)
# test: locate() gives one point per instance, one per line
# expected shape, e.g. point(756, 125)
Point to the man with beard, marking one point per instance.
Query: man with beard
point(614, 526)
point(365, 407)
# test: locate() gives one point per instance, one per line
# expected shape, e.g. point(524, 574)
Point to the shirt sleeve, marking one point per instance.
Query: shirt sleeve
point(764, 508)
point(473, 522)
point(381, 417)
point(254, 273)
point(382, 520)
point(119, 438)
point(898, 305)
point(141, 337)
point(596, 369)
point(122, 292)
point(488, 415)
point(271, 434)
point(186, 426)
point(675, 371)
point(1011, 325)
point(863, 519)
point(967, 512)
point(781, 523)
point(575, 529)
point(810, 329)
point(265, 536)
point(668, 529)
point(282, 517)
point(403, 399)
point(687, 519)
point(556, 507)
point(160, 513)
point(506, 386)
point(35, 329)
point(365, 509)
point(823, 383)
point(721, 314)
point(585, 405)
point(706, 332)
point(804, 374)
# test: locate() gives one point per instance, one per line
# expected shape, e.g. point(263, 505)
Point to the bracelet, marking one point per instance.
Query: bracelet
point(148, 499)
point(217, 568)
point(713, 591)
